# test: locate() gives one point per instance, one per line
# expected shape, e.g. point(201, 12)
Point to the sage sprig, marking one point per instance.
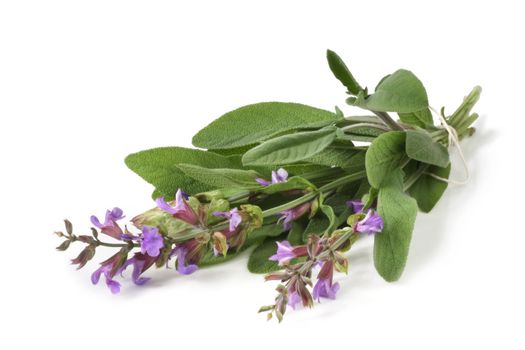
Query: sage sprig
point(294, 184)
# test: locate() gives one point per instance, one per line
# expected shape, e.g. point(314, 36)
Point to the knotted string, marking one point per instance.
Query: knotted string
point(453, 140)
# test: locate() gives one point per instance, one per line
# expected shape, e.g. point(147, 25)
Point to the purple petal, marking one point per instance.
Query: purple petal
point(117, 214)
point(161, 203)
point(95, 277)
point(152, 241)
point(262, 182)
point(356, 206)
point(294, 299)
point(113, 285)
point(280, 175)
point(96, 222)
point(181, 268)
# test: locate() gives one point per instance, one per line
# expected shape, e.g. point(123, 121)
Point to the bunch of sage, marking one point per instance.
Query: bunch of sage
point(294, 184)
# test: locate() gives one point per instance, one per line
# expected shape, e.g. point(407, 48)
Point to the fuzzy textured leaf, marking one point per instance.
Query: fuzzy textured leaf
point(383, 156)
point(158, 166)
point(400, 92)
point(261, 121)
point(220, 178)
point(398, 211)
point(290, 148)
point(421, 147)
point(427, 191)
point(422, 118)
point(342, 73)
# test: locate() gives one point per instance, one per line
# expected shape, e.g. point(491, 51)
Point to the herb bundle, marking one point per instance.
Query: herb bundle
point(294, 184)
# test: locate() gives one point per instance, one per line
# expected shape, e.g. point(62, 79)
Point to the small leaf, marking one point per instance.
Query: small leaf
point(290, 148)
point(330, 215)
point(64, 245)
point(427, 190)
point(384, 156)
point(69, 226)
point(220, 178)
point(398, 211)
point(158, 166)
point(341, 72)
point(421, 147)
point(258, 122)
point(400, 92)
point(293, 183)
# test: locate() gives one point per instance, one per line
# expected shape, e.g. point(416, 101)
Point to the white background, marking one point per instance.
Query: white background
point(84, 83)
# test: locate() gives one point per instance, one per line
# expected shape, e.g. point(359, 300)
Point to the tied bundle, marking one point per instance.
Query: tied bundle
point(294, 185)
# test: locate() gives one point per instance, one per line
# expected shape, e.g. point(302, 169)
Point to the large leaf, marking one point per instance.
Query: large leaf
point(258, 122)
point(346, 158)
point(427, 190)
point(421, 147)
point(290, 148)
point(398, 211)
point(400, 92)
point(342, 73)
point(383, 156)
point(220, 178)
point(159, 167)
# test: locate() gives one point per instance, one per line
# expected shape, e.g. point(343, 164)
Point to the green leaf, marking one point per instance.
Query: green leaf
point(398, 211)
point(258, 261)
point(293, 183)
point(330, 215)
point(384, 156)
point(428, 190)
point(421, 147)
point(346, 158)
point(261, 121)
point(400, 92)
point(422, 118)
point(158, 166)
point(290, 148)
point(341, 72)
point(220, 178)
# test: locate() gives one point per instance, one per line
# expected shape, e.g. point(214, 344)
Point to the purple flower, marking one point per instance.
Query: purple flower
point(290, 215)
point(181, 210)
point(141, 262)
point(325, 288)
point(284, 252)
point(151, 241)
point(371, 223)
point(233, 216)
point(110, 226)
point(293, 299)
point(182, 266)
point(108, 269)
point(278, 176)
point(113, 285)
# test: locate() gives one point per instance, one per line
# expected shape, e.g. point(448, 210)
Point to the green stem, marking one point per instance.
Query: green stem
point(365, 125)
point(391, 123)
point(415, 176)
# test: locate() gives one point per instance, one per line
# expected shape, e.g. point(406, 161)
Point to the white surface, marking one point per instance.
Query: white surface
point(82, 84)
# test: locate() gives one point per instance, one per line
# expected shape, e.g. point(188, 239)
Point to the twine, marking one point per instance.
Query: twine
point(453, 140)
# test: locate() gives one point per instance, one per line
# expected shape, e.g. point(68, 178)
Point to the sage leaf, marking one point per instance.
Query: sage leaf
point(422, 118)
point(290, 148)
point(383, 156)
point(220, 178)
point(158, 166)
point(398, 211)
point(421, 147)
point(341, 72)
point(258, 122)
point(400, 92)
point(427, 190)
